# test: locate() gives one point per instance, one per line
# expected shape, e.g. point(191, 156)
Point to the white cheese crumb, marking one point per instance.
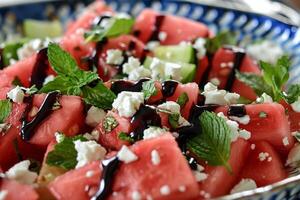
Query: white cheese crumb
point(152, 45)
point(138, 73)
point(88, 151)
point(94, 116)
point(89, 173)
point(215, 81)
point(266, 51)
point(294, 156)
point(94, 135)
point(182, 188)
point(153, 132)
point(127, 103)
point(126, 155)
point(199, 45)
point(136, 195)
point(48, 79)
point(296, 105)
point(16, 95)
point(114, 57)
point(204, 194)
point(161, 70)
point(29, 48)
point(200, 176)
point(219, 97)
point(20, 172)
point(242, 120)
point(244, 185)
point(131, 65)
point(59, 137)
point(252, 146)
point(162, 36)
point(269, 159)
point(264, 98)
point(244, 134)
point(262, 156)
point(165, 190)
point(3, 194)
point(155, 158)
point(285, 141)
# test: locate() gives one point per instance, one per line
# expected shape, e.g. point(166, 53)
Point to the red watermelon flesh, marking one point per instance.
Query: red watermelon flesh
point(192, 90)
point(220, 181)
point(267, 171)
point(17, 191)
point(110, 139)
point(177, 29)
point(273, 128)
point(224, 57)
point(140, 175)
point(87, 17)
point(122, 43)
point(68, 119)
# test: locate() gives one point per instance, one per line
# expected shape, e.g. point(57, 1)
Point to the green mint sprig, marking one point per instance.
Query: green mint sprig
point(5, 110)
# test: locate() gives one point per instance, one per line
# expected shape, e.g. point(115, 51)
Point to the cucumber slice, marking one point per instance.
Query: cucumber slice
point(42, 29)
point(188, 70)
point(176, 53)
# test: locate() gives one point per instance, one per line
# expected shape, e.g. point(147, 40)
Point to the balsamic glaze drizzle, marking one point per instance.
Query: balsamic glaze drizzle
point(156, 28)
point(1, 59)
point(122, 85)
point(39, 72)
point(237, 110)
point(109, 166)
point(239, 57)
point(168, 88)
point(146, 116)
point(27, 129)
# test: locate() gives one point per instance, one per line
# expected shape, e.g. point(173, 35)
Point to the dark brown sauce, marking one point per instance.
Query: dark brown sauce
point(169, 88)
point(1, 59)
point(109, 167)
point(39, 72)
point(238, 60)
point(145, 117)
point(237, 110)
point(122, 85)
point(27, 129)
point(159, 19)
point(97, 21)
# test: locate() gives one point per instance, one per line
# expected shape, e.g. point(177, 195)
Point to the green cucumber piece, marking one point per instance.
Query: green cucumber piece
point(176, 53)
point(188, 70)
point(42, 29)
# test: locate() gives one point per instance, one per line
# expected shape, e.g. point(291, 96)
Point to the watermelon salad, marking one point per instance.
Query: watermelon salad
point(152, 107)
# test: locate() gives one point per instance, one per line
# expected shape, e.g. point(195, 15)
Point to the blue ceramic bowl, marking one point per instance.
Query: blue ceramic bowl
point(249, 27)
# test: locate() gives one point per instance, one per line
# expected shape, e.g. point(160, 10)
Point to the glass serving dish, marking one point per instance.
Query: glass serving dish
point(277, 23)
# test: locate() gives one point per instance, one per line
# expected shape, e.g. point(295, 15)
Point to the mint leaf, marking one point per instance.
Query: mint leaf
point(183, 99)
point(215, 43)
point(254, 81)
point(149, 89)
point(32, 90)
point(293, 93)
point(212, 143)
point(61, 61)
point(5, 110)
point(109, 123)
point(64, 153)
point(116, 27)
point(173, 120)
point(123, 136)
point(99, 96)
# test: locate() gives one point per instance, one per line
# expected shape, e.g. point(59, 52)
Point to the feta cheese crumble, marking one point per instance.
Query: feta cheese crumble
point(126, 155)
point(48, 79)
point(262, 156)
point(136, 195)
point(151, 45)
point(199, 45)
point(242, 120)
point(165, 190)
point(153, 132)
point(89, 173)
point(59, 137)
point(162, 70)
point(131, 65)
point(199, 173)
point(20, 172)
point(127, 103)
point(3, 194)
point(296, 105)
point(88, 151)
point(174, 108)
point(182, 188)
point(29, 48)
point(155, 158)
point(219, 97)
point(162, 36)
point(285, 141)
point(264, 98)
point(244, 185)
point(16, 94)
point(114, 57)
point(94, 135)
point(94, 116)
